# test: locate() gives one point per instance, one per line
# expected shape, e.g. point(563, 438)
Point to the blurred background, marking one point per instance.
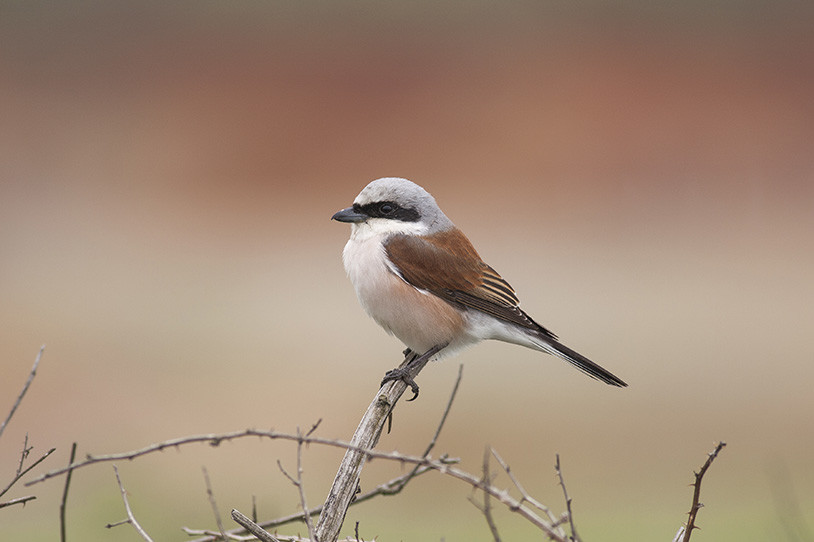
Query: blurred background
point(641, 172)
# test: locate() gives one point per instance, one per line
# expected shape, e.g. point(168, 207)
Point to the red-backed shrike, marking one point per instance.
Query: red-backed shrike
point(421, 279)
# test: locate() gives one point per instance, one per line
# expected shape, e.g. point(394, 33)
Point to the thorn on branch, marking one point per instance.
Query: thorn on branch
point(696, 502)
point(574, 536)
point(131, 519)
point(21, 500)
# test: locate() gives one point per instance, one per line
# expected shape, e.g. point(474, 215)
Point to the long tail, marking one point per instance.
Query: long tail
point(581, 362)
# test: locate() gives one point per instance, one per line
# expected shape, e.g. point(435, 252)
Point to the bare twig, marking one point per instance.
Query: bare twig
point(25, 471)
point(503, 496)
point(24, 455)
point(696, 503)
point(211, 496)
point(64, 502)
point(365, 437)
point(217, 439)
point(389, 488)
point(438, 429)
point(31, 376)
point(486, 508)
point(211, 439)
point(574, 536)
point(131, 519)
point(524, 495)
point(253, 527)
point(298, 483)
point(21, 500)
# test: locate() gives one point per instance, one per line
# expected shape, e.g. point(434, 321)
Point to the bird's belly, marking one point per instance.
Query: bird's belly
point(419, 319)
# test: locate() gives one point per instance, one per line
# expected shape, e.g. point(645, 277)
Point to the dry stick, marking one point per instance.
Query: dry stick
point(26, 471)
point(253, 527)
point(525, 496)
point(24, 455)
point(131, 519)
point(297, 482)
point(211, 496)
point(502, 496)
point(574, 535)
point(443, 467)
point(31, 376)
point(64, 502)
point(366, 437)
point(438, 429)
point(211, 439)
point(215, 440)
point(696, 496)
point(21, 500)
point(388, 488)
point(487, 505)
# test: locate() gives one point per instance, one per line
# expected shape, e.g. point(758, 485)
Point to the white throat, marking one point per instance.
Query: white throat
point(380, 228)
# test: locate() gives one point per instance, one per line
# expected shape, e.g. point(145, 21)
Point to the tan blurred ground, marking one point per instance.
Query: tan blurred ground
point(642, 173)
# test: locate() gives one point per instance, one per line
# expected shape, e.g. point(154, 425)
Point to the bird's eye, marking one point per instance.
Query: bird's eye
point(386, 208)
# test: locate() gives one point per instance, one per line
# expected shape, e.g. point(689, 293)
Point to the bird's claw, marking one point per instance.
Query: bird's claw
point(404, 376)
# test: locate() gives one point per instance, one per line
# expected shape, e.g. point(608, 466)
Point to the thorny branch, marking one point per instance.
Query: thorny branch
point(63, 505)
point(365, 438)
point(253, 527)
point(20, 471)
point(574, 536)
point(211, 496)
point(684, 533)
point(389, 488)
point(297, 482)
point(131, 519)
point(526, 506)
point(31, 376)
point(486, 507)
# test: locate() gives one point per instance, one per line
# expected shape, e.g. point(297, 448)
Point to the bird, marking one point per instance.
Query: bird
point(421, 279)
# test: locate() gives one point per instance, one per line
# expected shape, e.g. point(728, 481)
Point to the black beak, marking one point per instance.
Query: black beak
point(350, 215)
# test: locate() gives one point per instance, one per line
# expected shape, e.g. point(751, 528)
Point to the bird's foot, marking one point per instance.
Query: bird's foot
point(403, 375)
point(413, 364)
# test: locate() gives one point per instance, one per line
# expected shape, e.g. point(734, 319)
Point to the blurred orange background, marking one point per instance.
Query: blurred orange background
point(642, 173)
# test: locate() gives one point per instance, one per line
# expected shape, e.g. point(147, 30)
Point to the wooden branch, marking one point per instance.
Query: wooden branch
point(297, 482)
point(211, 496)
point(365, 438)
point(574, 536)
point(389, 488)
point(64, 503)
point(24, 455)
point(131, 519)
point(253, 527)
point(21, 500)
point(25, 471)
point(16, 404)
point(696, 496)
point(211, 439)
point(525, 496)
point(486, 509)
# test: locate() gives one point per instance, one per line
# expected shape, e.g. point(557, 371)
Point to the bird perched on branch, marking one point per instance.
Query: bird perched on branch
point(420, 278)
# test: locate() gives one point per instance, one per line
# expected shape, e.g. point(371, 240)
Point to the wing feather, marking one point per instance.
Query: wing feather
point(448, 266)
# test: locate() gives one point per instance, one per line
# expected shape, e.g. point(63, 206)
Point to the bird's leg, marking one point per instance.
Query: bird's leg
point(413, 363)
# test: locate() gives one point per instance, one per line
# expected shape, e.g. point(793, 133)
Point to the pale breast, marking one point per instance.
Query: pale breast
point(419, 319)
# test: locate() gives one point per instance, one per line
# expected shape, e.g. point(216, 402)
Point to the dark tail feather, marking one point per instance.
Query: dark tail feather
point(584, 364)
